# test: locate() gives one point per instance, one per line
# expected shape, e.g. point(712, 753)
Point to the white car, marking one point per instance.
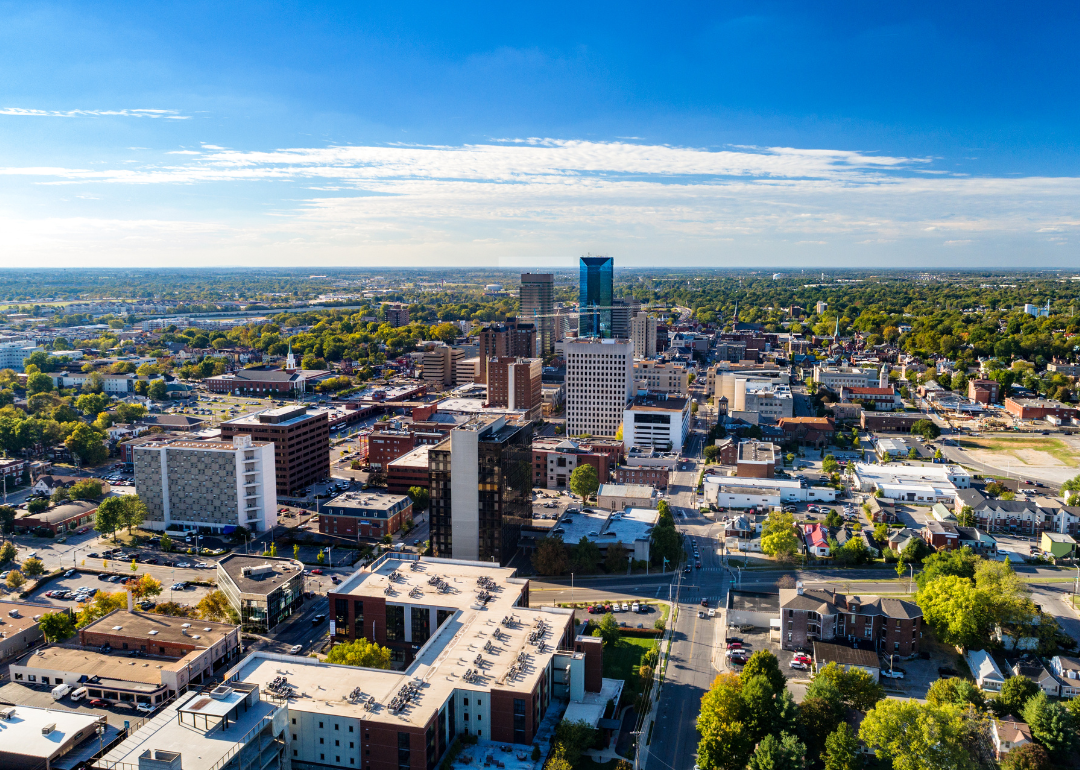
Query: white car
point(892, 674)
point(295, 649)
point(712, 612)
point(183, 565)
point(145, 708)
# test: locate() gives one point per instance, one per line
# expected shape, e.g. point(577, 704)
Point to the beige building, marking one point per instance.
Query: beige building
point(662, 377)
point(599, 384)
point(617, 497)
point(18, 627)
point(467, 370)
point(643, 335)
point(439, 365)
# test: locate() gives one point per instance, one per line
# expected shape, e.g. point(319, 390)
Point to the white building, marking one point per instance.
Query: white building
point(599, 385)
point(39, 738)
point(208, 485)
point(766, 393)
point(986, 672)
point(789, 490)
point(914, 482)
point(13, 353)
point(643, 335)
point(657, 420)
point(836, 377)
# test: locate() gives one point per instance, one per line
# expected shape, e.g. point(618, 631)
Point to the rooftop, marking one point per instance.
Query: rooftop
point(24, 731)
point(258, 574)
point(61, 513)
point(608, 526)
point(367, 501)
point(116, 665)
point(283, 416)
point(9, 626)
point(643, 491)
point(658, 402)
point(167, 628)
point(825, 653)
point(414, 458)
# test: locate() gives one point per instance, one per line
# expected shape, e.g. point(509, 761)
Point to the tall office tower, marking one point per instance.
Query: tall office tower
point(623, 311)
point(512, 338)
point(481, 490)
point(643, 335)
point(595, 298)
point(301, 441)
point(599, 383)
point(538, 307)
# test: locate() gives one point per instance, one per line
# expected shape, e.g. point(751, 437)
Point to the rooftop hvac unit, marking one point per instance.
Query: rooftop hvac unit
point(221, 692)
point(7, 712)
point(48, 728)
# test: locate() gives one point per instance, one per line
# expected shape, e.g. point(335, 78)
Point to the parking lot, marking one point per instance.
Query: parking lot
point(191, 595)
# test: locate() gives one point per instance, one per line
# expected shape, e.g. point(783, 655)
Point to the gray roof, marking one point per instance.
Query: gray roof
point(829, 602)
point(825, 653)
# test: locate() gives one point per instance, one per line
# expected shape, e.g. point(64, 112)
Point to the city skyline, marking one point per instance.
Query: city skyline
point(742, 136)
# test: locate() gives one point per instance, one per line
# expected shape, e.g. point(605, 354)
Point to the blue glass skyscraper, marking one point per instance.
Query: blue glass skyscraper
point(596, 294)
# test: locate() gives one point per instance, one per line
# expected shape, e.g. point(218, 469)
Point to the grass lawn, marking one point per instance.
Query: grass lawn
point(1054, 447)
point(622, 660)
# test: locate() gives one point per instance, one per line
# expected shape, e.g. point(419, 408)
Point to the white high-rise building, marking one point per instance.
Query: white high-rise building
point(643, 335)
point(599, 384)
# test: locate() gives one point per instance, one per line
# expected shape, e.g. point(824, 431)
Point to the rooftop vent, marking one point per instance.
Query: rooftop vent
point(8, 712)
point(154, 632)
point(117, 628)
point(221, 692)
point(13, 614)
point(48, 728)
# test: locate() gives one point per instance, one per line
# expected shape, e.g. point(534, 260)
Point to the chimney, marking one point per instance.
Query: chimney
point(131, 601)
point(799, 588)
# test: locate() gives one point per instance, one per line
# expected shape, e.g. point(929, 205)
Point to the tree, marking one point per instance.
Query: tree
point(109, 515)
point(445, 332)
point(7, 520)
point(1030, 756)
point(727, 747)
point(784, 753)
point(1009, 597)
point(959, 562)
point(1051, 725)
point(33, 567)
point(832, 519)
point(92, 404)
point(8, 552)
point(145, 587)
point(1014, 696)
point(57, 626)
point(166, 542)
point(829, 464)
point(856, 688)
point(87, 489)
point(37, 505)
point(158, 390)
point(15, 580)
point(957, 691)
point(609, 629)
point(133, 512)
point(296, 551)
point(100, 606)
point(361, 652)
point(842, 749)
point(575, 738)
point(958, 612)
point(617, 557)
point(778, 537)
point(94, 383)
point(584, 482)
point(38, 382)
point(59, 495)
point(917, 737)
point(817, 719)
point(126, 413)
point(215, 606)
point(710, 452)
point(584, 556)
point(966, 517)
point(87, 444)
point(925, 428)
point(764, 663)
point(421, 498)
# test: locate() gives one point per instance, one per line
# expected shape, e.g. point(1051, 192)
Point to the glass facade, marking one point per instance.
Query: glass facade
point(505, 493)
point(421, 625)
point(596, 284)
point(395, 623)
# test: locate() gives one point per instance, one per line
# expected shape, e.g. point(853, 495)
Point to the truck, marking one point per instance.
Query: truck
point(60, 691)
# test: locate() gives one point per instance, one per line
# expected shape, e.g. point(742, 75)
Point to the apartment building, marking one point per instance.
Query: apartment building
point(512, 338)
point(538, 306)
point(301, 439)
point(208, 485)
point(481, 490)
point(657, 420)
point(984, 391)
point(439, 364)
point(554, 460)
point(516, 383)
point(661, 377)
point(599, 385)
point(643, 334)
point(397, 314)
point(889, 626)
point(369, 514)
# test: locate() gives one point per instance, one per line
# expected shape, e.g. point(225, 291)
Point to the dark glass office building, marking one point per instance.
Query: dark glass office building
point(596, 295)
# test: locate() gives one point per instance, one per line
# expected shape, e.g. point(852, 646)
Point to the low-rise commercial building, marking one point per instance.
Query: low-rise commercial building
point(264, 591)
point(41, 739)
point(631, 528)
point(788, 490)
point(59, 519)
point(883, 399)
point(899, 422)
point(19, 629)
point(657, 420)
point(757, 460)
point(661, 377)
point(847, 658)
point(810, 431)
point(365, 514)
point(1039, 409)
point(1057, 545)
point(616, 497)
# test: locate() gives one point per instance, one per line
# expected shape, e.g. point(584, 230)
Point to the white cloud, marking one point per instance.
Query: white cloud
point(183, 152)
point(31, 113)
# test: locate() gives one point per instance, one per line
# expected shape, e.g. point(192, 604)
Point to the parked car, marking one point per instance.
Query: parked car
point(295, 649)
point(99, 703)
point(316, 571)
point(799, 665)
point(704, 602)
point(944, 672)
point(894, 674)
point(145, 708)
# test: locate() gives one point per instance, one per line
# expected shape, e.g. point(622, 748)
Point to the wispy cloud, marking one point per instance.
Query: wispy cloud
point(31, 113)
point(183, 152)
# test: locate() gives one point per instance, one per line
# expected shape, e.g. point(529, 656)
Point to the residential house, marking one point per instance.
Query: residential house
point(1033, 669)
point(882, 510)
point(1067, 671)
point(816, 539)
point(1009, 733)
point(942, 536)
point(986, 672)
point(1057, 545)
point(875, 622)
point(1022, 516)
point(900, 538)
point(979, 542)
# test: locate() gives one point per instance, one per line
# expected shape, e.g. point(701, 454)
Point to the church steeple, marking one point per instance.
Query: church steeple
point(290, 361)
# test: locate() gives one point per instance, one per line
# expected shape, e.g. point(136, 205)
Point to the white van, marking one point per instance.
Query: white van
point(79, 694)
point(61, 690)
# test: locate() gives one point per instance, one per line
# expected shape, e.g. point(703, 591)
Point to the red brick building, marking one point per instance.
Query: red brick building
point(365, 514)
point(1039, 409)
point(515, 383)
point(554, 460)
point(59, 519)
point(410, 470)
point(301, 443)
point(650, 475)
point(811, 431)
point(890, 626)
point(983, 391)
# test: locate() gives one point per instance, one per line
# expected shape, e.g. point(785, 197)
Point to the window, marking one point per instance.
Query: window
point(395, 624)
point(403, 749)
point(519, 720)
point(321, 741)
point(337, 726)
point(869, 630)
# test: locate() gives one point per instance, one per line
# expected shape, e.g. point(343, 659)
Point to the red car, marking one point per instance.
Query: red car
point(734, 645)
point(316, 571)
point(98, 702)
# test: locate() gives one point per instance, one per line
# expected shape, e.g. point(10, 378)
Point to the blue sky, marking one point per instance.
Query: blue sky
point(785, 134)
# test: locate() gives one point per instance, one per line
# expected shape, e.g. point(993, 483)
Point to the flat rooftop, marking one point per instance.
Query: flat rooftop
point(257, 581)
point(281, 416)
point(116, 665)
point(414, 458)
point(10, 626)
point(655, 403)
point(626, 490)
point(754, 601)
point(608, 526)
point(199, 750)
point(498, 631)
point(477, 406)
point(368, 501)
point(201, 633)
point(21, 734)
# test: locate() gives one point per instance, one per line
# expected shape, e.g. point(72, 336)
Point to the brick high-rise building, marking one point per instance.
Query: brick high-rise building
point(511, 338)
point(397, 314)
point(538, 308)
point(515, 383)
point(301, 441)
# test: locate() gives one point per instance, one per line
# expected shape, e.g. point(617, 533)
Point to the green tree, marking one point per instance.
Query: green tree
point(966, 517)
point(550, 557)
point(38, 382)
point(33, 567)
point(710, 452)
point(421, 498)
point(15, 580)
point(764, 663)
point(728, 747)
point(584, 482)
point(361, 652)
point(109, 516)
point(296, 551)
point(57, 626)
point(957, 691)
point(127, 413)
point(818, 718)
point(778, 536)
point(617, 558)
point(1014, 696)
point(911, 736)
point(829, 464)
point(842, 750)
point(92, 404)
point(956, 609)
point(87, 489)
point(158, 391)
point(575, 737)
point(146, 587)
point(59, 495)
point(856, 688)
point(1051, 725)
point(925, 428)
point(1030, 756)
point(960, 562)
point(784, 753)
point(8, 552)
point(7, 519)
point(134, 511)
point(584, 556)
point(87, 444)
point(166, 542)
point(37, 505)
point(215, 606)
point(609, 629)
